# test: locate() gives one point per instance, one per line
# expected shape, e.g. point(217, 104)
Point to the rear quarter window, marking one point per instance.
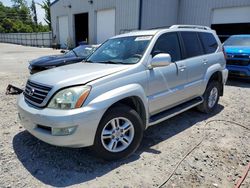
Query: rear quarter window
point(192, 44)
point(209, 43)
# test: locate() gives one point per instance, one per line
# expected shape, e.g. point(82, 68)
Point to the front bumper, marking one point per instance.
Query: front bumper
point(85, 120)
point(239, 71)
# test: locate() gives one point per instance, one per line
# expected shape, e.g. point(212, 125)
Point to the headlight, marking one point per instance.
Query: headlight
point(30, 67)
point(70, 98)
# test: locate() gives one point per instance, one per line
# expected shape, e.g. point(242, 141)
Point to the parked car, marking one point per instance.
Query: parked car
point(237, 48)
point(76, 55)
point(131, 82)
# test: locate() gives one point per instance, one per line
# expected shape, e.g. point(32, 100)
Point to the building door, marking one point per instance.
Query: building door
point(63, 26)
point(81, 28)
point(231, 21)
point(105, 24)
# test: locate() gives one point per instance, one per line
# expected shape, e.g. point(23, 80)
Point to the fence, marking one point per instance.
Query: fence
point(43, 39)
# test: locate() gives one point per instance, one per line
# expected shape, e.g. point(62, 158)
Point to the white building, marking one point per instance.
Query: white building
point(94, 21)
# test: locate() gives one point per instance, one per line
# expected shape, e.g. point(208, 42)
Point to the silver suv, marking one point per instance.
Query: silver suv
point(129, 83)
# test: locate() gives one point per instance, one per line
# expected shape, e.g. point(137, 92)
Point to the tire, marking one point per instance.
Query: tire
point(210, 103)
point(106, 144)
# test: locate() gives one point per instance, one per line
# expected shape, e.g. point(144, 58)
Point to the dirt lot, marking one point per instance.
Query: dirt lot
point(219, 161)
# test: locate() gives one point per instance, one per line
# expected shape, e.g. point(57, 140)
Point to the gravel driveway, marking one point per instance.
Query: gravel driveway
point(219, 161)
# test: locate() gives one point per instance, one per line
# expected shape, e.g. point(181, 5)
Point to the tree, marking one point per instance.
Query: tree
point(46, 6)
point(19, 3)
point(20, 18)
point(33, 10)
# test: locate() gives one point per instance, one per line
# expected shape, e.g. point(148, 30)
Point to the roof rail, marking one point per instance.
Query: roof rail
point(190, 27)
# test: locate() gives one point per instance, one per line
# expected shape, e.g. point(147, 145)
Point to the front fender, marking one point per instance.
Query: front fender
point(107, 99)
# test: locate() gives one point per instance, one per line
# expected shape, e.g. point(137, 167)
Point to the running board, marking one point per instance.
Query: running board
point(162, 116)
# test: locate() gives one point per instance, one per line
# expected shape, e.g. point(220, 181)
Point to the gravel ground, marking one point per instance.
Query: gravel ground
point(219, 161)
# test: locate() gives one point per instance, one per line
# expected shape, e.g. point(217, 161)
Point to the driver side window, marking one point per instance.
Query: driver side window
point(168, 43)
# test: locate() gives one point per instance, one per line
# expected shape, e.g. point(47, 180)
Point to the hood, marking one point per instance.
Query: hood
point(75, 74)
point(53, 60)
point(237, 49)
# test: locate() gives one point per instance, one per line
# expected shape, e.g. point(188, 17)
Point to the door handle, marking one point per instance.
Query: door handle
point(182, 68)
point(204, 61)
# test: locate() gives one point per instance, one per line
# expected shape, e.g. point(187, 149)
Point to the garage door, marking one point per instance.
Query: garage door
point(105, 24)
point(231, 15)
point(231, 21)
point(63, 23)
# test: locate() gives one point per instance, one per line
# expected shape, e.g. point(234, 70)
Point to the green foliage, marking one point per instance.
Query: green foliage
point(20, 18)
point(46, 6)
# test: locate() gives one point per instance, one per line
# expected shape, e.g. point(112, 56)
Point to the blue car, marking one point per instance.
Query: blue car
point(237, 49)
point(76, 55)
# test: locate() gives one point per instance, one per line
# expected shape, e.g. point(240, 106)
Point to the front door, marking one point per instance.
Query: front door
point(166, 84)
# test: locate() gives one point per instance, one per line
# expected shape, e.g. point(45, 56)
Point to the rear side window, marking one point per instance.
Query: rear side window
point(192, 44)
point(209, 42)
point(168, 43)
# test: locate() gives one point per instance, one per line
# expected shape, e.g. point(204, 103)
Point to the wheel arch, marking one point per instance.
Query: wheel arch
point(217, 76)
point(135, 103)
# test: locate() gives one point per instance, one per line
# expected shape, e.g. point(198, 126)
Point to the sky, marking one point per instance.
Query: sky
point(40, 11)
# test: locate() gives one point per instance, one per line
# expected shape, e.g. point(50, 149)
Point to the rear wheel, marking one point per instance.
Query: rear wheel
point(211, 97)
point(119, 133)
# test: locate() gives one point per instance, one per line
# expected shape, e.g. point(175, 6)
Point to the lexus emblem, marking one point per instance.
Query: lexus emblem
point(31, 92)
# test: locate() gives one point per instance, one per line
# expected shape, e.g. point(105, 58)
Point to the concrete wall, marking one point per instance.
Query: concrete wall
point(201, 11)
point(28, 39)
point(159, 13)
point(127, 15)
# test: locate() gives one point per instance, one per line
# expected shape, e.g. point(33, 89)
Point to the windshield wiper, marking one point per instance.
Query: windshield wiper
point(88, 61)
point(110, 62)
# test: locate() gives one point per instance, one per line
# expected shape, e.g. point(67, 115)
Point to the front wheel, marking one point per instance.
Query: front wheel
point(119, 133)
point(211, 98)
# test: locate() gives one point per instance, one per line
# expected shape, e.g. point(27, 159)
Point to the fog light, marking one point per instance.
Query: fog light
point(63, 131)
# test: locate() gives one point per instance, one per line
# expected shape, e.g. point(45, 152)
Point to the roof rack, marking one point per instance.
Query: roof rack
point(190, 27)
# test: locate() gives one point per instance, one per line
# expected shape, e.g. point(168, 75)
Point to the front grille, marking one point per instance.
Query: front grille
point(238, 62)
point(241, 56)
point(36, 93)
point(238, 56)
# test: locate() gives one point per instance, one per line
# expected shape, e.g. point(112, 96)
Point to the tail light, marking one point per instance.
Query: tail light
point(223, 50)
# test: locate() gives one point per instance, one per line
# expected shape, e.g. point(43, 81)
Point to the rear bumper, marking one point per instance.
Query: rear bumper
point(239, 71)
point(224, 75)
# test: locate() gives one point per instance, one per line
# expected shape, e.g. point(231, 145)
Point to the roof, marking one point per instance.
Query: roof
point(241, 36)
point(173, 27)
point(138, 33)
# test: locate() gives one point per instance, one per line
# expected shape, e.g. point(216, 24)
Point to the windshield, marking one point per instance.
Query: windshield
point(238, 41)
point(125, 50)
point(81, 51)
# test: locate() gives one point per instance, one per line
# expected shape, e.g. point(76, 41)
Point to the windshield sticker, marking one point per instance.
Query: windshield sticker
point(142, 38)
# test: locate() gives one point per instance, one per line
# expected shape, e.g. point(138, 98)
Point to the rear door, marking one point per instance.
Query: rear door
point(196, 63)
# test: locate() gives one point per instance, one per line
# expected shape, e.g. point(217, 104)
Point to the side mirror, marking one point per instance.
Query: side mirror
point(160, 60)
